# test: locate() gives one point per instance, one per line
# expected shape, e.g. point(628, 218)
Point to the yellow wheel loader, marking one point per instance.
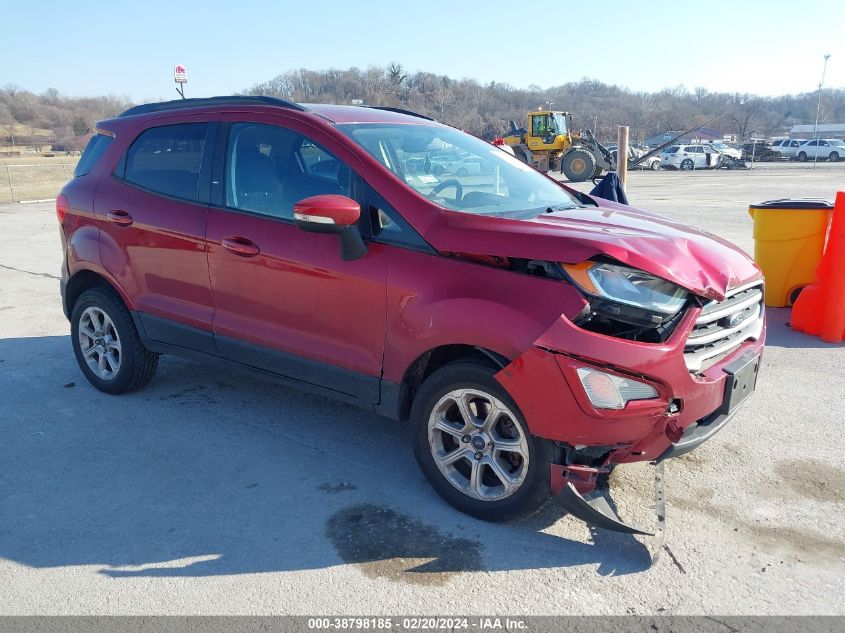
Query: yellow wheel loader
point(548, 144)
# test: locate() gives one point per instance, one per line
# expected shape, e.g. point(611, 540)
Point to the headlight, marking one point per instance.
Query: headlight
point(617, 284)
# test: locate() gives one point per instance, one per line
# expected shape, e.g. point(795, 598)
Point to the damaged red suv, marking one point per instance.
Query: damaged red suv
point(533, 335)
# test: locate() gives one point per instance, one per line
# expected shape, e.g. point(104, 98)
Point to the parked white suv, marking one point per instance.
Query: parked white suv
point(788, 147)
point(825, 149)
point(687, 157)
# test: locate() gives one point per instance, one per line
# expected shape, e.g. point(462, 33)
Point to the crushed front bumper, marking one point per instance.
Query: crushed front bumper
point(690, 408)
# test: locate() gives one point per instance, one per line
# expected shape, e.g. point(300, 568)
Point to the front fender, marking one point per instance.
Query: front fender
point(458, 302)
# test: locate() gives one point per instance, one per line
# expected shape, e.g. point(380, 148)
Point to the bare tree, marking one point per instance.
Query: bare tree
point(744, 116)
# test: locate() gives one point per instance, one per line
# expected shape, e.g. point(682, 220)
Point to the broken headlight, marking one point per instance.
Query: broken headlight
point(626, 294)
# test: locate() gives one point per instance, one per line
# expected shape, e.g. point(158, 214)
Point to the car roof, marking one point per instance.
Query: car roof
point(365, 114)
point(330, 112)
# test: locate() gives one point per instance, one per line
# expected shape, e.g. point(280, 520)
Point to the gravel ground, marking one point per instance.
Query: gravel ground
point(212, 493)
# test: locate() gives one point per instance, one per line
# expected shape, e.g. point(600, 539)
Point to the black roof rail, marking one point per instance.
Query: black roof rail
point(178, 104)
point(402, 111)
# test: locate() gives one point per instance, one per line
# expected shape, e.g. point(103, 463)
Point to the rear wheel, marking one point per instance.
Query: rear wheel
point(834, 157)
point(578, 165)
point(655, 166)
point(106, 343)
point(687, 165)
point(474, 447)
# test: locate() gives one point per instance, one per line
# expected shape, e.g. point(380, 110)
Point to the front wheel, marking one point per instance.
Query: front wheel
point(578, 165)
point(802, 157)
point(106, 343)
point(474, 447)
point(655, 166)
point(834, 157)
point(687, 165)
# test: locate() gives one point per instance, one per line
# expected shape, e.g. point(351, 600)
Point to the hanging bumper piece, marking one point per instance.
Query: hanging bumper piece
point(594, 510)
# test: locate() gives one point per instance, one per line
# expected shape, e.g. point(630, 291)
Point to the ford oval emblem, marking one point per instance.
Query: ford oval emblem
point(735, 319)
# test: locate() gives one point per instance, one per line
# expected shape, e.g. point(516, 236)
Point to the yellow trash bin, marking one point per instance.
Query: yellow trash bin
point(789, 238)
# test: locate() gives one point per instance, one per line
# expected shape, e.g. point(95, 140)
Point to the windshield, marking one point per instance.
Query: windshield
point(836, 142)
point(458, 171)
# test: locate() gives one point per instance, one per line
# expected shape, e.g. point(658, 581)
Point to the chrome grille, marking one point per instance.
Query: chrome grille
point(723, 326)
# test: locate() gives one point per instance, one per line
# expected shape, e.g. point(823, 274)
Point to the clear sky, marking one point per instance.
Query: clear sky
point(88, 47)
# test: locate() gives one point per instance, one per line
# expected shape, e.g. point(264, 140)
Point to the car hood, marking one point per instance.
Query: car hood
point(698, 261)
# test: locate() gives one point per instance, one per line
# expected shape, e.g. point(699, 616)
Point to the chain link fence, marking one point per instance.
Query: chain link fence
point(36, 178)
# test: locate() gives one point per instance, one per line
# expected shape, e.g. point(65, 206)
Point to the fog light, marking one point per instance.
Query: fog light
point(609, 391)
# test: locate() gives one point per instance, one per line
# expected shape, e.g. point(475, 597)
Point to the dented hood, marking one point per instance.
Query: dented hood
point(698, 261)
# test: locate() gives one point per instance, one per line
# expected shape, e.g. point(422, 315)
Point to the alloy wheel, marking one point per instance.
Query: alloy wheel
point(478, 444)
point(99, 342)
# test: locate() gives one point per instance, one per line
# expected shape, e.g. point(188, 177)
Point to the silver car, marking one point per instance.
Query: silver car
point(822, 149)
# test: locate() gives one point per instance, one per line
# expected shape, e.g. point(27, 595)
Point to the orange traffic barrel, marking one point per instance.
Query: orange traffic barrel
point(820, 310)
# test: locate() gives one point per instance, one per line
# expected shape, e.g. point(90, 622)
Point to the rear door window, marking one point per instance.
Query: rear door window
point(96, 147)
point(167, 160)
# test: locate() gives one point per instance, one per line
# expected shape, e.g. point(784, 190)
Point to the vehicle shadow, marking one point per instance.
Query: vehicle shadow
point(205, 472)
point(780, 334)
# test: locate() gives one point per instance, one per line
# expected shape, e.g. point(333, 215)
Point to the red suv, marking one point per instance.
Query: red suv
point(533, 335)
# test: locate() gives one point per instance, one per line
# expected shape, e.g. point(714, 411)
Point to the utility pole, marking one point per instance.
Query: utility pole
point(818, 110)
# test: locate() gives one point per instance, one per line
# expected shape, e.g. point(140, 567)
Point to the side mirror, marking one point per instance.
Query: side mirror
point(331, 213)
point(326, 213)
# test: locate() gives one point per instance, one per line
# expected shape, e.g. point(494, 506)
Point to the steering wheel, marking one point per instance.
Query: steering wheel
point(459, 190)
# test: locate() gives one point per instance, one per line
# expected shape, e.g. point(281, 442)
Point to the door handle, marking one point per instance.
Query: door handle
point(121, 218)
point(240, 246)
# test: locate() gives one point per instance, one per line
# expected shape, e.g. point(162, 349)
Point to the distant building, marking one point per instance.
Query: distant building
point(825, 130)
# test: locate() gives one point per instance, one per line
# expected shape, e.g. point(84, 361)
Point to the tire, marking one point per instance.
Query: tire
point(461, 172)
point(834, 157)
point(578, 165)
point(687, 165)
point(102, 330)
point(655, 166)
point(472, 382)
point(802, 157)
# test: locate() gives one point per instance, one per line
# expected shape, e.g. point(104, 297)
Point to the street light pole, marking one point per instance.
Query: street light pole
point(818, 110)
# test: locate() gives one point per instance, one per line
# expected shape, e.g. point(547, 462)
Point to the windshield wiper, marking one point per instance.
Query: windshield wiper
point(563, 208)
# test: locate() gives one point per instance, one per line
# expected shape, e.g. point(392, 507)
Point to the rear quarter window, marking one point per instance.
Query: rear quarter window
point(96, 147)
point(167, 160)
